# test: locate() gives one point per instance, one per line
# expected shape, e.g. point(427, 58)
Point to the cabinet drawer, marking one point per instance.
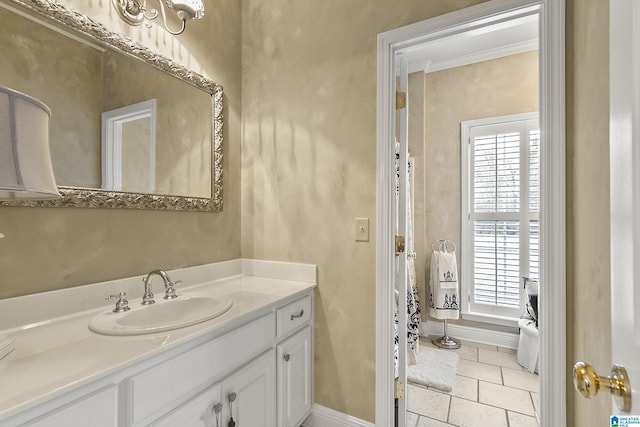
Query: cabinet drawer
point(293, 315)
point(169, 383)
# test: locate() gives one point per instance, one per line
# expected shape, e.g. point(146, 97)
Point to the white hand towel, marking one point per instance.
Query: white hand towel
point(447, 270)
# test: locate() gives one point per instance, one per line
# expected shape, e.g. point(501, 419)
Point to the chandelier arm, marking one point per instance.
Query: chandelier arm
point(164, 21)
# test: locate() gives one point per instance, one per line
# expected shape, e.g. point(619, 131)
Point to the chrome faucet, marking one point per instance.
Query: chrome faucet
point(169, 287)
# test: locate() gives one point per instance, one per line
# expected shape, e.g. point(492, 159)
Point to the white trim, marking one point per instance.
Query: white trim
point(468, 333)
point(491, 319)
point(322, 416)
point(472, 58)
point(553, 233)
point(112, 122)
point(385, 407)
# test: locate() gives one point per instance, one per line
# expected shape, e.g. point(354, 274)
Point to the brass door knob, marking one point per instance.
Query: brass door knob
point(587, 382)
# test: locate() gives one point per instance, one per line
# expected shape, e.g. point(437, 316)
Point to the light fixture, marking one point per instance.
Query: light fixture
point(26, 172)
point(134, 12)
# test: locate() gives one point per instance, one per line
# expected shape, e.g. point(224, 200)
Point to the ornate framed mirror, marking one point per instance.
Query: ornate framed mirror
point(85, 72)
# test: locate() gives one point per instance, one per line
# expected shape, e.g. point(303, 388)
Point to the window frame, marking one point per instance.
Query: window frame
point(471, 310)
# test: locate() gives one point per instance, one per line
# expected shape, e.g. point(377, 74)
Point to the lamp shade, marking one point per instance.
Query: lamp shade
point(26, 172)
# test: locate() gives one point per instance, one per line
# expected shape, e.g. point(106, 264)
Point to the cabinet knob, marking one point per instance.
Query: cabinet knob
point(287, 357)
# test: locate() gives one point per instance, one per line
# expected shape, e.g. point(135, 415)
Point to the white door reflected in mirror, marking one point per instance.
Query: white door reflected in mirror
point(129, 148)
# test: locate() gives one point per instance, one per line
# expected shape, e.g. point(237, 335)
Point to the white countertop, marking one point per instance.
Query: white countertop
point(57, 353)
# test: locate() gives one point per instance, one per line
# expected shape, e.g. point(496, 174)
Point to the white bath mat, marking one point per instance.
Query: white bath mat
point(435, 368)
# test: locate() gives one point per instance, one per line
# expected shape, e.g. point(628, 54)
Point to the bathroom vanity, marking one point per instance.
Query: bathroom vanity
point(253, 363)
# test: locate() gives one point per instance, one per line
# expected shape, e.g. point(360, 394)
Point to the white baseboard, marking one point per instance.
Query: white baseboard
point(467, 333)
point(321, 416)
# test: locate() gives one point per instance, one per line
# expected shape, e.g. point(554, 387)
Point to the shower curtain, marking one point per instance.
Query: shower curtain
point(413, 307)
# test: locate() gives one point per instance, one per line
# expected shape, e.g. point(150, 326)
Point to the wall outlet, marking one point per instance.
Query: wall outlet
point(362, 229)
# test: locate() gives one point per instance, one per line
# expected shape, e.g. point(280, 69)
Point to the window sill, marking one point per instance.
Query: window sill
point(489, 318)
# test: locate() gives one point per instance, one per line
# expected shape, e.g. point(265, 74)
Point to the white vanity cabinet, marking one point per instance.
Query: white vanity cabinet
point(263, 359)
point(247, 395)
point(253, 402)
point(273, 389)
point(160, 388)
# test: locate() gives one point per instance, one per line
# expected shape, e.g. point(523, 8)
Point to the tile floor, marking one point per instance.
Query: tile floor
point(490, 390)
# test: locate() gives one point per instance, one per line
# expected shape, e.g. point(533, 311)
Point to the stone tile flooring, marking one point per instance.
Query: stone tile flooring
point(490, 390)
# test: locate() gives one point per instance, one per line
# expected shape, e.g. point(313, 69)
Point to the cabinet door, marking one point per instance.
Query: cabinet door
point(199, 411)
point(254, 386)
point(294, 379)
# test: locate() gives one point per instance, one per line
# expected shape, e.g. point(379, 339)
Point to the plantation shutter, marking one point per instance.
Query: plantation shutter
point(503, 224)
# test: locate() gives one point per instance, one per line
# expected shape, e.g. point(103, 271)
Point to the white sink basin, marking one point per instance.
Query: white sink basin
point(164, 315)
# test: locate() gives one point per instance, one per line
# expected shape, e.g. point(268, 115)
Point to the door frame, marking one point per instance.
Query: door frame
point(553, 360)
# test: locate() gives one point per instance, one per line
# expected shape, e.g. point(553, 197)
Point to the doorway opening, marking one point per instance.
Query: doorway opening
point(475, 22)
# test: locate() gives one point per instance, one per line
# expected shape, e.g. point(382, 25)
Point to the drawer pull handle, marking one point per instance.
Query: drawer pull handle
point(232, 398)
point(287, 357)
point(296, 315)
point(217, 408)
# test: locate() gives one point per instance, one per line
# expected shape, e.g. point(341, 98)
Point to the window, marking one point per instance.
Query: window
point(500, 212)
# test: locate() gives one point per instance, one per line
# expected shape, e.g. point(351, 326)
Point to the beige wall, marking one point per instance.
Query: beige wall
point(48, 249)
point(507, 85)
point(309, 165)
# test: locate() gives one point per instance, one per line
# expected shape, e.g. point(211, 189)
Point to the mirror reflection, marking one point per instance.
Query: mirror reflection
point(101, 136)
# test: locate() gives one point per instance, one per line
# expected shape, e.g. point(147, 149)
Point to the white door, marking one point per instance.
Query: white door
point(625, 189)
point(625, 219)
point(248, 396)
point(402, 132)
point(294, 379)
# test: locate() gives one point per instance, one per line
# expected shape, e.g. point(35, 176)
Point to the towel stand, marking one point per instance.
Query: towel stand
point(443, 245)
point(445, 342)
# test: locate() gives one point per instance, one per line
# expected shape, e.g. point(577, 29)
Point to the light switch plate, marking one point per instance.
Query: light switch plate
point(362, 229)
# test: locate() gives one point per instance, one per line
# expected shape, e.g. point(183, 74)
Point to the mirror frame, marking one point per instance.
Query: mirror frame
point(78, 197)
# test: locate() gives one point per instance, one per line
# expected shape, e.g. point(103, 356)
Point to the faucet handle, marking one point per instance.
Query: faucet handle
point(122, 304)
point(170, 292)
